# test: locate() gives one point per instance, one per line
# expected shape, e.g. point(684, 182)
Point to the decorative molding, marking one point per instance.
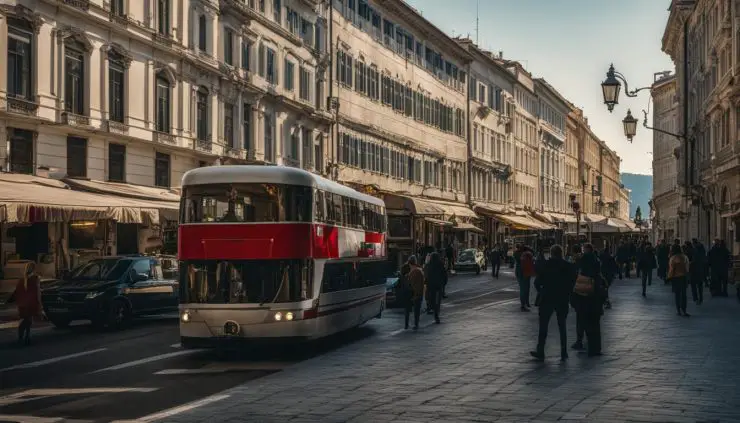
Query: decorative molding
point(23, 13)
point(70, 33)
point(167, 70)
point(118, 49)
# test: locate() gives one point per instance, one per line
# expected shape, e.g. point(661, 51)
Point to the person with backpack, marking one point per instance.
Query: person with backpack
point(525, 270)
point(413, 281)
point(590, 292)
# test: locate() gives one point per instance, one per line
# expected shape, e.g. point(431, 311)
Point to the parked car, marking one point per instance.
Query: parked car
point(110, 291)
point(471, 259)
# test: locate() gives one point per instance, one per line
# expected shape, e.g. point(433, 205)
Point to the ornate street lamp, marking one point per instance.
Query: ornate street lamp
point(611, 86)
point(630, 126)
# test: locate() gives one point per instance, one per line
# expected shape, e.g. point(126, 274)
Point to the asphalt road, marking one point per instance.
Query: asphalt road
point(83, 375)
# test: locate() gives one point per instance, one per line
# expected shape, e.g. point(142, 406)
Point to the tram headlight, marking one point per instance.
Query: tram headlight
point(278, 316)
point(185, 317)
point(289, 316)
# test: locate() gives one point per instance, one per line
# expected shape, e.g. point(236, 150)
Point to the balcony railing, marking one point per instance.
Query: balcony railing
point(204, 145)
point(75, 120)
point(79, 4)
point(116, 127)
point(164, 138)
point(162, 39)
point(22, 106)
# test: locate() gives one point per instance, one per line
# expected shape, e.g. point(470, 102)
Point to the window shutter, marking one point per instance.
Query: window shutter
point(261, 59)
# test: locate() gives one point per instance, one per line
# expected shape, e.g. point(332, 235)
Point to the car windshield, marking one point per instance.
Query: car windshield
point(100, 269)
point(467, 255)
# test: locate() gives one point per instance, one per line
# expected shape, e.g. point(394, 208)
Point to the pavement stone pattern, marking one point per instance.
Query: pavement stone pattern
point(475, 367)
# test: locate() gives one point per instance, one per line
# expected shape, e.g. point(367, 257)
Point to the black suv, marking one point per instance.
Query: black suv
point(110, 291)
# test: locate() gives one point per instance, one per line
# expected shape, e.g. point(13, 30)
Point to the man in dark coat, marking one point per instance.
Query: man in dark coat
point(719, 265)
point(623, 259)
point(555, 284)
point(698, 271)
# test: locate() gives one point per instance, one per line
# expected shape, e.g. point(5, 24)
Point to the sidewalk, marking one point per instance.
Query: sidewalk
point(658, 367)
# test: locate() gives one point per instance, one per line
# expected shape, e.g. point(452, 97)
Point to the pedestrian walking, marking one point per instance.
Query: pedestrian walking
point(663, 252)
point(524, 272)
point(698, 272)
point(590, 290)
point(609, 269)
point(645, 265)
point(27, 298)
point(623, 259)
point(719, 266)
point(678, 274)
point(496, 256)
point(576, 301)
point(436, 278)
point(555, 284)
point(414, 280)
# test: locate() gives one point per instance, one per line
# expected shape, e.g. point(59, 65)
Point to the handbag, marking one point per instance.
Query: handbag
point(584, 285)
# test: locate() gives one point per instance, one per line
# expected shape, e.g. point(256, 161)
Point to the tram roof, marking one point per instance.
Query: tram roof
point(271, 175)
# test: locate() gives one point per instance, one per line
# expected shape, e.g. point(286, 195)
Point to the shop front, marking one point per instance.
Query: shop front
point(523, 228)
point(415, 224)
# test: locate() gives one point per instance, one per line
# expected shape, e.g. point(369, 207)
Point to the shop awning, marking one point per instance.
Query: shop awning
point(610, 225)
point(490, 209)
point(437, 222)
point(563, 218)
point(123, 190)
point(426, 207)
point(29, 199)
point(525, 223)
point(592, 218)
point(462, 227)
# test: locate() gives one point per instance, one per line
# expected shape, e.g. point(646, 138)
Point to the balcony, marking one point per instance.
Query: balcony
point(22, 106)
point(163, 39)
point(204, 145)
point(78, 4)
point(115, 127)
point(163, 138)
point(75, 120)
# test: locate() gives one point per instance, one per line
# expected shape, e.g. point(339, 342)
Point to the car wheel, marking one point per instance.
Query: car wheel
point(119, 315)
point(60, 322)
point(477, 270)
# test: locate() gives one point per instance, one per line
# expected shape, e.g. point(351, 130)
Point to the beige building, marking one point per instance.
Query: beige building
point(572, 143)
point(491, 101)
point(709, 162)
point(552, 114)
point(400, 87)
point(611, 183)
point(526, 139)
point(625, 200)
point(126, 94)
point(666, 194)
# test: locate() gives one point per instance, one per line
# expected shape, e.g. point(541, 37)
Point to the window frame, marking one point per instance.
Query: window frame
point(117, 150)
point(77, 149)
point(159, 159)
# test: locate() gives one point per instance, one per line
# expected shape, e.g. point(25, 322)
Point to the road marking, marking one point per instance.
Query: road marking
point(176, 410)
point(10, 325)
point(178, 345)
point(51, 360)
point(30, 419)
point(224, 368)
point(495, 303)
point(34, 394)
point(147, 360)
point(463, 300)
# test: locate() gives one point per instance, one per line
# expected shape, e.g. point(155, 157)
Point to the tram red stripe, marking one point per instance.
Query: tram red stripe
point(244, 241)
point(374, 237)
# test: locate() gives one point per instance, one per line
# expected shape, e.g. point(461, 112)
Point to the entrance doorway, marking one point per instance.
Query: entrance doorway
point(127, 238)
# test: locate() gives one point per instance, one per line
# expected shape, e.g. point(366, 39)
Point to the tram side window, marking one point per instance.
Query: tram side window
point(338, 277)
point(319, 204)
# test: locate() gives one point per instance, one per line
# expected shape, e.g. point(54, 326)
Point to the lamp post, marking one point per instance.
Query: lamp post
point(576, 206)
point(611, 87)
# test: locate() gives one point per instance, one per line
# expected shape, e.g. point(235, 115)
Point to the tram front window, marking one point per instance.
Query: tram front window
point(246, 281)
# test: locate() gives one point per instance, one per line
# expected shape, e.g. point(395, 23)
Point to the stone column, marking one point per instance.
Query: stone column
point(4, 55)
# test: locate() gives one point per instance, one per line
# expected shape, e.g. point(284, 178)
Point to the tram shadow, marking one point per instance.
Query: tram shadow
point(291, 351)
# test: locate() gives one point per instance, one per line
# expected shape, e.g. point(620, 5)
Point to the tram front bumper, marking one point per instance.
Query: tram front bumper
point(227, 331)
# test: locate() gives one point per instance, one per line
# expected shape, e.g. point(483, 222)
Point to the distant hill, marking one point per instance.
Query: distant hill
point(642, 192)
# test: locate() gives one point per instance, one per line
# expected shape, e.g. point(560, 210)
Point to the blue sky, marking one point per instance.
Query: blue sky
point(571, 43)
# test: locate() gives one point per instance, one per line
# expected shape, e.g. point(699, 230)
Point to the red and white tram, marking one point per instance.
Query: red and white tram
point(270, 253)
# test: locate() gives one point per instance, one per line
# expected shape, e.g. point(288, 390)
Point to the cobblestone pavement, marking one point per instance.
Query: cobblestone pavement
point(475, 367)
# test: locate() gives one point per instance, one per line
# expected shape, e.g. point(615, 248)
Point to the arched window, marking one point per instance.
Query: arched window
point(164, 95)
point(201, 110)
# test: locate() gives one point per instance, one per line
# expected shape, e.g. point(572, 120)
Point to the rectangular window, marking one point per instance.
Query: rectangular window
point(116, 89)
point(19, 59)
point(305, 84)
point(202, 32)
point(163, 17)
point(201, 116)
point(162, 170)
point(74, 79)
point(229, 125)
point(294, 21)
point(269, 138)
point(270, 68)
point(247, 126)
point(116, 163)
point(229, 47)
point(307, 32)
point(116, 8)
point(289, 76)
point(307, 139)
point(277, 11)
point(76, 157)
point(246, 56)
point(163, 105)
point(21, 151)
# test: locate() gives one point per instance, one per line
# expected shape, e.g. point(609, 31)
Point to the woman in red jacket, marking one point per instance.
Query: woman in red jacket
point(27, 298)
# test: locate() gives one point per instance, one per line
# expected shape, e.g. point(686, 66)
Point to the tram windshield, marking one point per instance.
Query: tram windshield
point(247, 202)
point(246, 281)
